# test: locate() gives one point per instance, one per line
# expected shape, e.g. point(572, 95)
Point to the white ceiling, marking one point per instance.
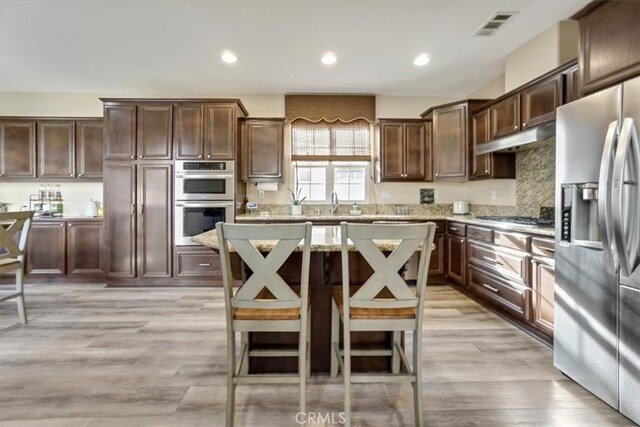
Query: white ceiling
point(173, 47)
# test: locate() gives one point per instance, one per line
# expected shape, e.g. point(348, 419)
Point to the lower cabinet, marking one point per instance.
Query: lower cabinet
point(198, 262)
point(58, 248)
point(507, 295)
point(543, 282)
point(456, 259)
point(437, 263)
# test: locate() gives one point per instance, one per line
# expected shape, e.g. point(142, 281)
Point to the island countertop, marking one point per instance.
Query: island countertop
point(324, 238)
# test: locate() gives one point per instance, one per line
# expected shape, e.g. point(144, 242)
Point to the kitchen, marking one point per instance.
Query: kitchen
point(145, 167)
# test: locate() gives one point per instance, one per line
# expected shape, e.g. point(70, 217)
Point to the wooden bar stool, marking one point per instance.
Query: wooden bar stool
point(264, 302)
point(385, 302)
point(14, 230)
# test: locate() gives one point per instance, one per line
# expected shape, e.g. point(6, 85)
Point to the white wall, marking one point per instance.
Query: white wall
point(493, 89)
point(75, 194)
point(553, 47)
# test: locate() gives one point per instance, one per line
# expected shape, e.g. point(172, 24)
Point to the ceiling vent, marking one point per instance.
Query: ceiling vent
point(493, 24)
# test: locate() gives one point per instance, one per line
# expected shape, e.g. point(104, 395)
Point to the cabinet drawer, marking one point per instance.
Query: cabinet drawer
point(510, 297)
point(511, 240)
point(480, 233)
point(543, 247)
point(201, 263)
point(440, 226)
point(505, 264)
point(456, 229)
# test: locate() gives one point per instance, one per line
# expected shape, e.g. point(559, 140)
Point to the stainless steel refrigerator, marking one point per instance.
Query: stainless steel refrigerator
point(597, 300)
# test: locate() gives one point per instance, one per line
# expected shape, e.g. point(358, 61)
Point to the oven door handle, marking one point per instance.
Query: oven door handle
point(205, 176)
point(204, 205)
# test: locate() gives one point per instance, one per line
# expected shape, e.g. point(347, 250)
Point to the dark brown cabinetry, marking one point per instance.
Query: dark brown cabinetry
point(188, 131)
point(571, 85)
point(154, 136)
point(198, 262)
point(609, 46)
point(505, 116)
point(456, 252)
point(220, 128)
point(56, 149)
point(437, 264)
point(451, 134)
point(543, 284)
point(540, 100)
point(120, 134)
point(262, 150)
point(64, 248)
point(506, 295)
point(89, 148)
point(403, 152)
point(17, 148)
point(84, 248)
point(494, 165)
point(46, 248)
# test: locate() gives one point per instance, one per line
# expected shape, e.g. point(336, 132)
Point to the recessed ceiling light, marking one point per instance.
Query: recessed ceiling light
point(229, 57)
point(422, 59)
point(329, 58)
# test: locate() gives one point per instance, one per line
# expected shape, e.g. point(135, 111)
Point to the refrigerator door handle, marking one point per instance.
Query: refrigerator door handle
point(626, 219)
point(604, 199)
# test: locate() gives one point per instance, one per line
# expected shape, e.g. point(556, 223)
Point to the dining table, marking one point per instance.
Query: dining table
point(325, 271)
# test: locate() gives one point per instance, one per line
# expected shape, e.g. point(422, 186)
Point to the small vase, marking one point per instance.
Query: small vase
point(296, 209)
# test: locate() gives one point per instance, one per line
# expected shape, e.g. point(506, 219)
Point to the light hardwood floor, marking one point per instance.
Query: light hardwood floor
point(96, 356)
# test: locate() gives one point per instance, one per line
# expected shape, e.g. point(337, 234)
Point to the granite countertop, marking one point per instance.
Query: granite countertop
point(466, 219)
point(324, 238)
point(68, 218)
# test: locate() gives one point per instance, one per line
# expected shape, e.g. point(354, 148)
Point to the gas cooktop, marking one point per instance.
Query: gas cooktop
point(526, 220)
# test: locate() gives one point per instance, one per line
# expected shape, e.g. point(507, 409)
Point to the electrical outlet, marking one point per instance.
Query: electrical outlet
point(494, 195)
point(385, 195)
point(261, 194)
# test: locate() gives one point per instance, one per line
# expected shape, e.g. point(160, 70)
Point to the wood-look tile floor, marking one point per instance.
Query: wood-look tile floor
point(96, 356)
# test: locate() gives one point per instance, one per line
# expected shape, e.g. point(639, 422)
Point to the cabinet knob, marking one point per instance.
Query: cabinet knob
point(61, 225)
point(70, 225)
point(524, 125)
point(208, 156)
point(80, 174)
point(200, 156)
point(486, 171)
point(437, 174)
point(133, 157)
point(515, 127)
point(71, 175)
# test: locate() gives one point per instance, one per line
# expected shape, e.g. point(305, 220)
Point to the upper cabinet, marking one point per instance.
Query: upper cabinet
point(17, 148)
point(63, 147)
point(505, 116)
point(540, 100)
point(609, 47)
point(571, 84)
point(403, 150)
point(164, 129)
point(262, 150)
point(493, 165)
point(451, 139)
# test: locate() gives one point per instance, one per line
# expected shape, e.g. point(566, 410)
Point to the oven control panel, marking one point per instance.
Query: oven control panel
point(208, 166)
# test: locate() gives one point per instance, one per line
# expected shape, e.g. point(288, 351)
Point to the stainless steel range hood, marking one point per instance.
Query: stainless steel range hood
point(524, 140)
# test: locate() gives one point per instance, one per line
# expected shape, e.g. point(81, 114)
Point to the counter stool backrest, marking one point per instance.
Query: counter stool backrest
point(19, 223)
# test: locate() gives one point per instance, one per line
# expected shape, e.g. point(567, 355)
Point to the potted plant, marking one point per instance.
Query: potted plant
point(296, 201)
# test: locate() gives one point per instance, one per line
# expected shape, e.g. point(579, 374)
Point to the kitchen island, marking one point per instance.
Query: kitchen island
point(325, 271)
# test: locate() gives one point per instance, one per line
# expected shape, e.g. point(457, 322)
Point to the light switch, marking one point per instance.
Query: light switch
point(385, 195)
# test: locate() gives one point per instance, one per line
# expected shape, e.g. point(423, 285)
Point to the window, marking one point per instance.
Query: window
point(317, 180)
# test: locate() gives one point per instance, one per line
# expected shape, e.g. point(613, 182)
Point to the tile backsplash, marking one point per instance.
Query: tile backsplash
point(535, 180)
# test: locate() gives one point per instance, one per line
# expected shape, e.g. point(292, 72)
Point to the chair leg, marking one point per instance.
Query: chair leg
point(347, 376)
point(302, 366)
point(417, 386)
point(335, 338)
point(308, 346)
point(395, 356)
point(244, 340)
point(22, 311)
point(231, 386)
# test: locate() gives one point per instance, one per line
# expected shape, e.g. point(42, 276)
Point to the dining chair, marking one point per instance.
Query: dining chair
point(14, 230)
point(385, 302)
point(264, 302)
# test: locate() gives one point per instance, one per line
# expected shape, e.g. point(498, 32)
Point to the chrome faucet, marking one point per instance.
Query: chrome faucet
point(334, 203)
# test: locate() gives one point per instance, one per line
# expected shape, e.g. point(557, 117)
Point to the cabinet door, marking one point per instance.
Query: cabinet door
point(198, 262)
point(539, 102)
point(456, 259)
point(262, 150)
point(120, 134)
point(480, 163)
point(450, 143)
point(187, 132)
point(505, 116)
point(609, 45)
point(154, 132)
point(392, 151)
point(543, 282)
point(84, 248)
point(437, 263)
point(428, 151)
point(89, 148)
point(414, 151)
point(120, 219)
point(220, 131)
point(46, 248)
point(18, 149)
point(571, 85)
point(56, 149)
point(155, 220)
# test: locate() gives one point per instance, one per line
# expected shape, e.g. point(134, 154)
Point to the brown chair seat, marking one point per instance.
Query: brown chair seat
point(269, 313)
point(371, 313)
point(9, 264)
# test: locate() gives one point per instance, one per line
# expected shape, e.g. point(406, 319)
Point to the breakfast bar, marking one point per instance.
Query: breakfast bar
point(325, 272)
